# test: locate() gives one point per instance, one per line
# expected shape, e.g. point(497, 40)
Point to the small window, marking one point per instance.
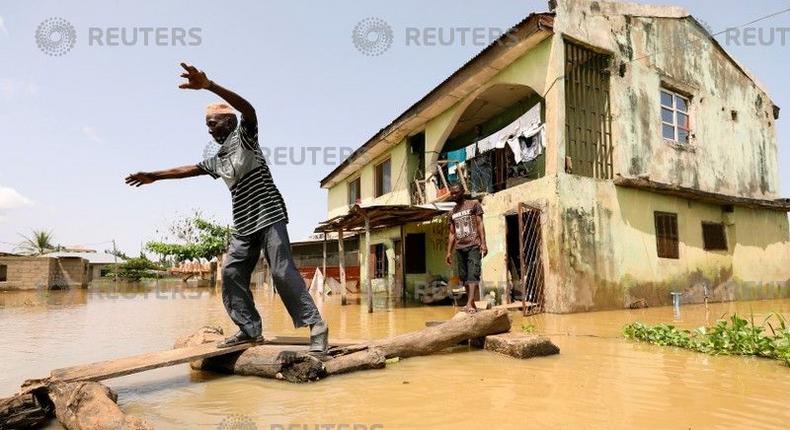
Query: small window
point(415, 253)
point(666, 234)
point(379, 261)
point(674, 116)
point(382, 178)
point(354, 192)
point(714, 236)
point(3, 273)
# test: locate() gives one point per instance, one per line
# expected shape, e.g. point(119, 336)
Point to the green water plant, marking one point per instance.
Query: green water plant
point(729, 336)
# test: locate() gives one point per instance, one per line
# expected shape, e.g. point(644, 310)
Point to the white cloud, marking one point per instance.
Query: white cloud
point(91, 133)
point(3, 28)
point(11, 199)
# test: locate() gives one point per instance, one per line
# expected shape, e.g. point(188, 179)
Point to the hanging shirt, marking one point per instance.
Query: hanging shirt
point(257, 203)
point(464, 217)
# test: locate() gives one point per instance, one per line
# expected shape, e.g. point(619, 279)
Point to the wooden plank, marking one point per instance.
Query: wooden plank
point(141, 362)
point(153, 360)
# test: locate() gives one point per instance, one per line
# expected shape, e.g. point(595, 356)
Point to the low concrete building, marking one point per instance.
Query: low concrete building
point(30, 273)
point(99, 263)
point(620, 154)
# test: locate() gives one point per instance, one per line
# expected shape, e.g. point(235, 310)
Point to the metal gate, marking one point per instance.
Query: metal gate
point(530, 258)
point(588, 126)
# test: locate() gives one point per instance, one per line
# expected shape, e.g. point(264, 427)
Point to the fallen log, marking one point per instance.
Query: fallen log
point(77, 405)
point(91, 406)
point(25, 410)
point(294, 364)
point(461, 327)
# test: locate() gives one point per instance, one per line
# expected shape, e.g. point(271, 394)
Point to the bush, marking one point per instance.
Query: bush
point(135, 269)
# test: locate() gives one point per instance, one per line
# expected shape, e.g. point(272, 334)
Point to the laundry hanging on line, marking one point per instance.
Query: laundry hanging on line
point(528, 121)
point(528, 145)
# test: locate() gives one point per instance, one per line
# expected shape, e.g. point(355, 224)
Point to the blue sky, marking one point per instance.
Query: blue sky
point(74, 126)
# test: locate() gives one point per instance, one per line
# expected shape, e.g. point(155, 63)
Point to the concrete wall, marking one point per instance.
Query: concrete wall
point(338, 195)
point(607, 239)
point(736, 157)
point(72, 273)
point(28, 273)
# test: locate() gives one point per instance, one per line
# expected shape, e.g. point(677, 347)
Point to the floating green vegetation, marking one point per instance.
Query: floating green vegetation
point(733, 336)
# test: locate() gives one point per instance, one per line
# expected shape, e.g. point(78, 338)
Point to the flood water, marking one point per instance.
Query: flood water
point(599, 380)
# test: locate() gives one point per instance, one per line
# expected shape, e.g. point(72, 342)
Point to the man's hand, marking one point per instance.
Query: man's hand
point(197, 79)
point(140, 178)
point(448, 259)
point(483, 250)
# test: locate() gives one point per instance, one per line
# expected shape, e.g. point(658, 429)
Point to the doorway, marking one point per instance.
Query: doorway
point(524, 258)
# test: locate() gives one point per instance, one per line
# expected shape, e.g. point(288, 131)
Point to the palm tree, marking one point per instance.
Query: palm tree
point(38, 243)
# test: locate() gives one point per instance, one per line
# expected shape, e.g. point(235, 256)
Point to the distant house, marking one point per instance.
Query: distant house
point(99, 263)
point(308, 256)
point(54, 270)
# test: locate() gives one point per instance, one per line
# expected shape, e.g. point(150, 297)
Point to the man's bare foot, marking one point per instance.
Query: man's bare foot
point(470, 309)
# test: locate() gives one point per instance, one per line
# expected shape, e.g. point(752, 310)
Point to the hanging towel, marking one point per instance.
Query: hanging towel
point(531, 118)
point(485, 145)
point(471, 151)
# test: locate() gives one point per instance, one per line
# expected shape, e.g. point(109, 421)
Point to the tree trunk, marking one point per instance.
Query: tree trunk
point(91, 406)
point(25, 410)
point(293, 364)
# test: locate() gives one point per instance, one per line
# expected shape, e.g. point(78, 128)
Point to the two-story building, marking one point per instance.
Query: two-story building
point(620, 154)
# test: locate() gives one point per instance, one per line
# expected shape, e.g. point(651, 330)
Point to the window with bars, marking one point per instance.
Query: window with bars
point(667, 234)
point(674, 116)
point(714, 236)
point(379, 261)
point(354, 192)
point(588, 121)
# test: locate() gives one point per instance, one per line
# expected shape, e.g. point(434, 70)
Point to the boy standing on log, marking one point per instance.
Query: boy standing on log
point(259, 217)
point(467, 241)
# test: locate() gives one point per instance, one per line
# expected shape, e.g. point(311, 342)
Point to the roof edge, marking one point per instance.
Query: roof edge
point(535, 22)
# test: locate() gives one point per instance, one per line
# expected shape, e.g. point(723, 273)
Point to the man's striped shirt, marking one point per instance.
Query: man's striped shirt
point(257, 203)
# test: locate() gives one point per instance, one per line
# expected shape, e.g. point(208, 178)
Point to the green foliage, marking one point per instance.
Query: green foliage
point(135, 269)
point(39, 242)
point(733, 336)
point(195, 238)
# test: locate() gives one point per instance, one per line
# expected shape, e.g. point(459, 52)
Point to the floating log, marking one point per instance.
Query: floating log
point(461, 327)
point(91, 406)
point(77, 405)
point(294, 364)
point(25, 410)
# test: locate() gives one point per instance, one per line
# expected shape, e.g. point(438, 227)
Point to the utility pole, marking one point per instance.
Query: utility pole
point(115, 258)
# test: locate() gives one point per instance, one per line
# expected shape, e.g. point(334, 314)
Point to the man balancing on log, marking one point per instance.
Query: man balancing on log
point(467, 240)
point(259, 217)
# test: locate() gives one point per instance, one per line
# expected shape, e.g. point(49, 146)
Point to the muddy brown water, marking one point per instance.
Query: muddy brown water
point(599, 380)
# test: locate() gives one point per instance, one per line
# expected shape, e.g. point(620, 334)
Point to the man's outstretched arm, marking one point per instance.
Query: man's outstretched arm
point(197, 80)
point(143, 178)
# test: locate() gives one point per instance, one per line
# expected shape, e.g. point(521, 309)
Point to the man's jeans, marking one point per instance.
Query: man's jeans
point(236, 273)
